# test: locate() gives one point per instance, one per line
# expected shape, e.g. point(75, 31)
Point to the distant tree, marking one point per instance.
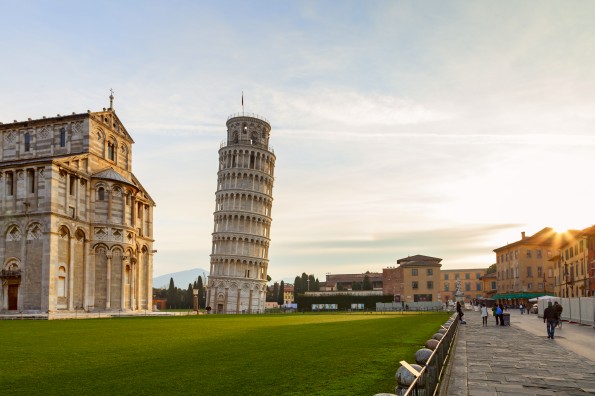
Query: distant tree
point(269, 278)
point(367, 285)
point(276, 292)
point(356, 286)
point(340, 287)
point(281, 299)
point(171, 294)
point(305, 282)
point(311, 283)
point(189, 297)
point(297, 287)
point(201, 295)
point(491, 269)
point(317, 287)
point(269, 296)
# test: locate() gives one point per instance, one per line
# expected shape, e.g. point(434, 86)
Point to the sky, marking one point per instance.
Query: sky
point(442, 128)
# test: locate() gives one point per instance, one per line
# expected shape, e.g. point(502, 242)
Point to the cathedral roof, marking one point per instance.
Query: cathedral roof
point(111, 174)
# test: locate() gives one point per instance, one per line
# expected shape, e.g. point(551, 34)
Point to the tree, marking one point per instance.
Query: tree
point(297, 287)
point(491, 269)
point(317, 288)
point(201, 296)
point(367, 283)
point(189, 297)
point(311, 283)
point(171, 294)
point(269, 278)
point(281, 297)
point(305, 285)
point(356, 286)
point(276, 292)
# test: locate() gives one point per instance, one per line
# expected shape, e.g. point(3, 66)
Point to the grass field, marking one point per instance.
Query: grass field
point(312, 354)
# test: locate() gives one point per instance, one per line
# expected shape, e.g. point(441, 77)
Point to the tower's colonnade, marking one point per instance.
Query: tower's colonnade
point(241, 234)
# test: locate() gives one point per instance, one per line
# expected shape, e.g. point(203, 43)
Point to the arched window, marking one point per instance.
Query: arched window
point(101, 194)
point(27, 141)
point(111, 151)
point(61, 282)
point(9, 183)
point(31, 181)
point(63, 137)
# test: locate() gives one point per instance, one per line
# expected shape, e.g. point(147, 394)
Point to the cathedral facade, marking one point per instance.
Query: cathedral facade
point(241, 235)
point(76, 224)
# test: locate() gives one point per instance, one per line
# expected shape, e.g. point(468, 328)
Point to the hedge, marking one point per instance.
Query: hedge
point(343, 301)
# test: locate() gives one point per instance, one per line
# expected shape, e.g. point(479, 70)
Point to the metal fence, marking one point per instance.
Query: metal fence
point(578, 310)
point(427, 380)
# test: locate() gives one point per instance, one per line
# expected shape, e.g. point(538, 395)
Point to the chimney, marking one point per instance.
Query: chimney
point(523, 235)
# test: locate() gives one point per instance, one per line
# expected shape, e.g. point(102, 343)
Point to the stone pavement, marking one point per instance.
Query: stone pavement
point(512, 360)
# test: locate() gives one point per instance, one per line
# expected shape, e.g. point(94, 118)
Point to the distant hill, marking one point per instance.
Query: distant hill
point(181, 279)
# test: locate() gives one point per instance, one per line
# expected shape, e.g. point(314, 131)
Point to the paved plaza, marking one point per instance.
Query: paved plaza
point(520, 360)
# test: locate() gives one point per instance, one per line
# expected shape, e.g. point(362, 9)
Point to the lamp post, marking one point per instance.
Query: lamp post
point(195, 293)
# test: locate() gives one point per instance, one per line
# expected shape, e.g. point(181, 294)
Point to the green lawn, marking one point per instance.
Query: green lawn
point(295, 354)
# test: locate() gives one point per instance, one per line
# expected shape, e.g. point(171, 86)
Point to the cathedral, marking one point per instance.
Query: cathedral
point(76, 224)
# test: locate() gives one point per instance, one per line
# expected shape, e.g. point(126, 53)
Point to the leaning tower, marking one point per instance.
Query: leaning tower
point(241, 236)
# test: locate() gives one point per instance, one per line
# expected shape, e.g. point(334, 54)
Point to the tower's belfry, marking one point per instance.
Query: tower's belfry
point(244, 198)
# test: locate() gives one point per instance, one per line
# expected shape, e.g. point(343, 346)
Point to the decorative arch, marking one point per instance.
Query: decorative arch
point(112, 148)
point(100, 248)
point(13, 233)
point(12, 264)
point(100, 192)
point(80, 235)
point(64, 231)
point(34, 231)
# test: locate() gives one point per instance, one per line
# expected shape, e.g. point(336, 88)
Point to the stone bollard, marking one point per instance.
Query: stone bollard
point(432, 344)
point(405, 378)
point(422, 356)
point(438, 336)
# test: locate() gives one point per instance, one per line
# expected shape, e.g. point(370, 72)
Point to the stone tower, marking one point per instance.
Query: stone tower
point(241, 236)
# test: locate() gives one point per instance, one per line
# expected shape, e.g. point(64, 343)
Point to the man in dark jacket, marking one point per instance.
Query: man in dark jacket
point(549, 316)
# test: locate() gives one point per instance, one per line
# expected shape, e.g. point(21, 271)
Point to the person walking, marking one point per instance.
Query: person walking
point(495, 312)
point(484, 315)
point(522, 309)
point(501, 314)
point(460, 312)
point(549, 316)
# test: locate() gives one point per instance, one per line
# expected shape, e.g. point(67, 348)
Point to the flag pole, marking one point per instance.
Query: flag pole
point(242, 102)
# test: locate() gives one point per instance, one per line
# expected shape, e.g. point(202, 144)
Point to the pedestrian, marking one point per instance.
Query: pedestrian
point(501, 307)
point(460, 312)
point(558, 309)
point(549, 316)
point(522, 309)
point(495, 313)
point(484, 315)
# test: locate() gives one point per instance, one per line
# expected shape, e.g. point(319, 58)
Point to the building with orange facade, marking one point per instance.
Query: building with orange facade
point(574, 267)
point(525, 269)
point(416, 279)
point(470, 280)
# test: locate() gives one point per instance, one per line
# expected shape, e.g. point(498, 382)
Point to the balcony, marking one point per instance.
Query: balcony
point(10, 274)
